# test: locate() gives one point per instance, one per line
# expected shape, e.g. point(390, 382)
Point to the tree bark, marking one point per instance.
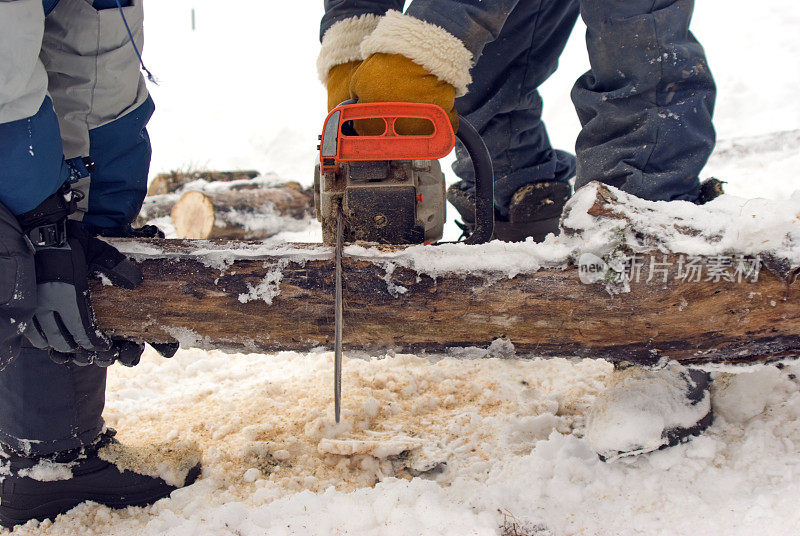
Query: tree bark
point(266, 300)
point(241, 214)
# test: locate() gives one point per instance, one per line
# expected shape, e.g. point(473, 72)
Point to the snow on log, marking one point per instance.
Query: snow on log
point(626, 280)
point(166, 183)
point(240, 214)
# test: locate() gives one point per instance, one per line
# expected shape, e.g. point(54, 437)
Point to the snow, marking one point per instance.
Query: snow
point(171, 459)
point(264, 222)
point(728, 224)
point(487, 438)
point(474, 440)
point(268, 288)
point(47, 471)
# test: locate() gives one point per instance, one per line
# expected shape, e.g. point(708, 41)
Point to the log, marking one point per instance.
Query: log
point(242, 214)
point(160, 206)
point(165, 183)
point(271, 301)
point(240, 296)
point(288, 201)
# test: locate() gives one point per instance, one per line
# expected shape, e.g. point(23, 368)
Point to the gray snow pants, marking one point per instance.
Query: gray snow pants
point(46, 408)
point(645, 106)
point(102, 106)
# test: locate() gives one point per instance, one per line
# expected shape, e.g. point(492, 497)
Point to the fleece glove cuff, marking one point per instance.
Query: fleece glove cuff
point(435, 49)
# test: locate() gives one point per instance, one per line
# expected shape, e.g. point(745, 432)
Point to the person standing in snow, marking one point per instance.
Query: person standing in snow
point(645, 108)
point(74, 158)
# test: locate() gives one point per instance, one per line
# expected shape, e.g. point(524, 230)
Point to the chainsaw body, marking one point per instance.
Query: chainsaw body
point(390, 188)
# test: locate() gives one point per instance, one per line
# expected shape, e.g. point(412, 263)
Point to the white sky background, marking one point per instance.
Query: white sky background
point(241, 90)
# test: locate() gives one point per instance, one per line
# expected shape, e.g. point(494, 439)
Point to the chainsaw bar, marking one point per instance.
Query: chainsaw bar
point(337, 337)
point(389, 188)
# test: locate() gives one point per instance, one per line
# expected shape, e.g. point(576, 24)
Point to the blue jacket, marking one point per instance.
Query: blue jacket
point(97, 109)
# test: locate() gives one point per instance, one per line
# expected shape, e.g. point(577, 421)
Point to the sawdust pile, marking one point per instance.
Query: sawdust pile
point(265, 426)
point(402, 416)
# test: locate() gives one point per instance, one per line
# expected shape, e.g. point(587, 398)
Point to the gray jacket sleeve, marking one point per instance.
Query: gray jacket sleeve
point(17, 286)
point(23, 80)
point(474, 22)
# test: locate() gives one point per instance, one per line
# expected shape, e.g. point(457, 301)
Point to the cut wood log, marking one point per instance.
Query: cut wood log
point(165, 183)
point(241, 214)
point(240, 296)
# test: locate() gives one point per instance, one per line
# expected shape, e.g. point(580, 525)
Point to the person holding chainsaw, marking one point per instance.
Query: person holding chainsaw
point(645, 108)
point(74, 158)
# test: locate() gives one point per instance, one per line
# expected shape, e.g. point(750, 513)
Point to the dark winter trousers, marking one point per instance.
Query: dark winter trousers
point(645, 106)
point(45, 407)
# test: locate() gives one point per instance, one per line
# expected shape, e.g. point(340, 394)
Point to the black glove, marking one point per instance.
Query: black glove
point(127, 231)
point(66, 255)
point(17, 286)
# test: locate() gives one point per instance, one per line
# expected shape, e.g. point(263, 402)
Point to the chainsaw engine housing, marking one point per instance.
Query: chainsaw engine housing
point(383, 201)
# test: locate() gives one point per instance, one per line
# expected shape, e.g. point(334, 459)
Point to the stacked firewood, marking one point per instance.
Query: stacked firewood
point(225, 204)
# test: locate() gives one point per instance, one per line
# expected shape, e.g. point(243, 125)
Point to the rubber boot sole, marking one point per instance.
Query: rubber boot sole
point(534, 211)
point(674, 437)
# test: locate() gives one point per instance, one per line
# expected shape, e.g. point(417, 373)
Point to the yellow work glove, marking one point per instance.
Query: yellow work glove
point(338, 84)
point(395, 78)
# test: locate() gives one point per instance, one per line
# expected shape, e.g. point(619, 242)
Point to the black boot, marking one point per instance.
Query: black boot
point(534, 210)
point(643, 410)
point(23, 498)
point(710, 189)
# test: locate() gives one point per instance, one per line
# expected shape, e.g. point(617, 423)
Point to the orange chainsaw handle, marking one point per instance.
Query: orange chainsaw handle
point(340, 145)
point(337, 145)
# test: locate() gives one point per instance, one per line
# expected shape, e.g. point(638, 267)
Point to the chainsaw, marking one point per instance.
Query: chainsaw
point(389, 188)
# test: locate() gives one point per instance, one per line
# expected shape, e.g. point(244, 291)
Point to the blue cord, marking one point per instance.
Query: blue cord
point(135, 48)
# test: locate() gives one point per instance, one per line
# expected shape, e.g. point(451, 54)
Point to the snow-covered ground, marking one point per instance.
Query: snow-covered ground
point(440, 444)
point(508, 430)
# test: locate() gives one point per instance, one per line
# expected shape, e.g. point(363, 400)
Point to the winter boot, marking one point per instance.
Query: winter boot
point(534, 210)
point(710, 189)
point(642, 410)
point(44, 487)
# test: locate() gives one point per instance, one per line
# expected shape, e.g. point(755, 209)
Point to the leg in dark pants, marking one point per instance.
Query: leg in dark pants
point(504, 105)
point(646, 104)
point(49, 408)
